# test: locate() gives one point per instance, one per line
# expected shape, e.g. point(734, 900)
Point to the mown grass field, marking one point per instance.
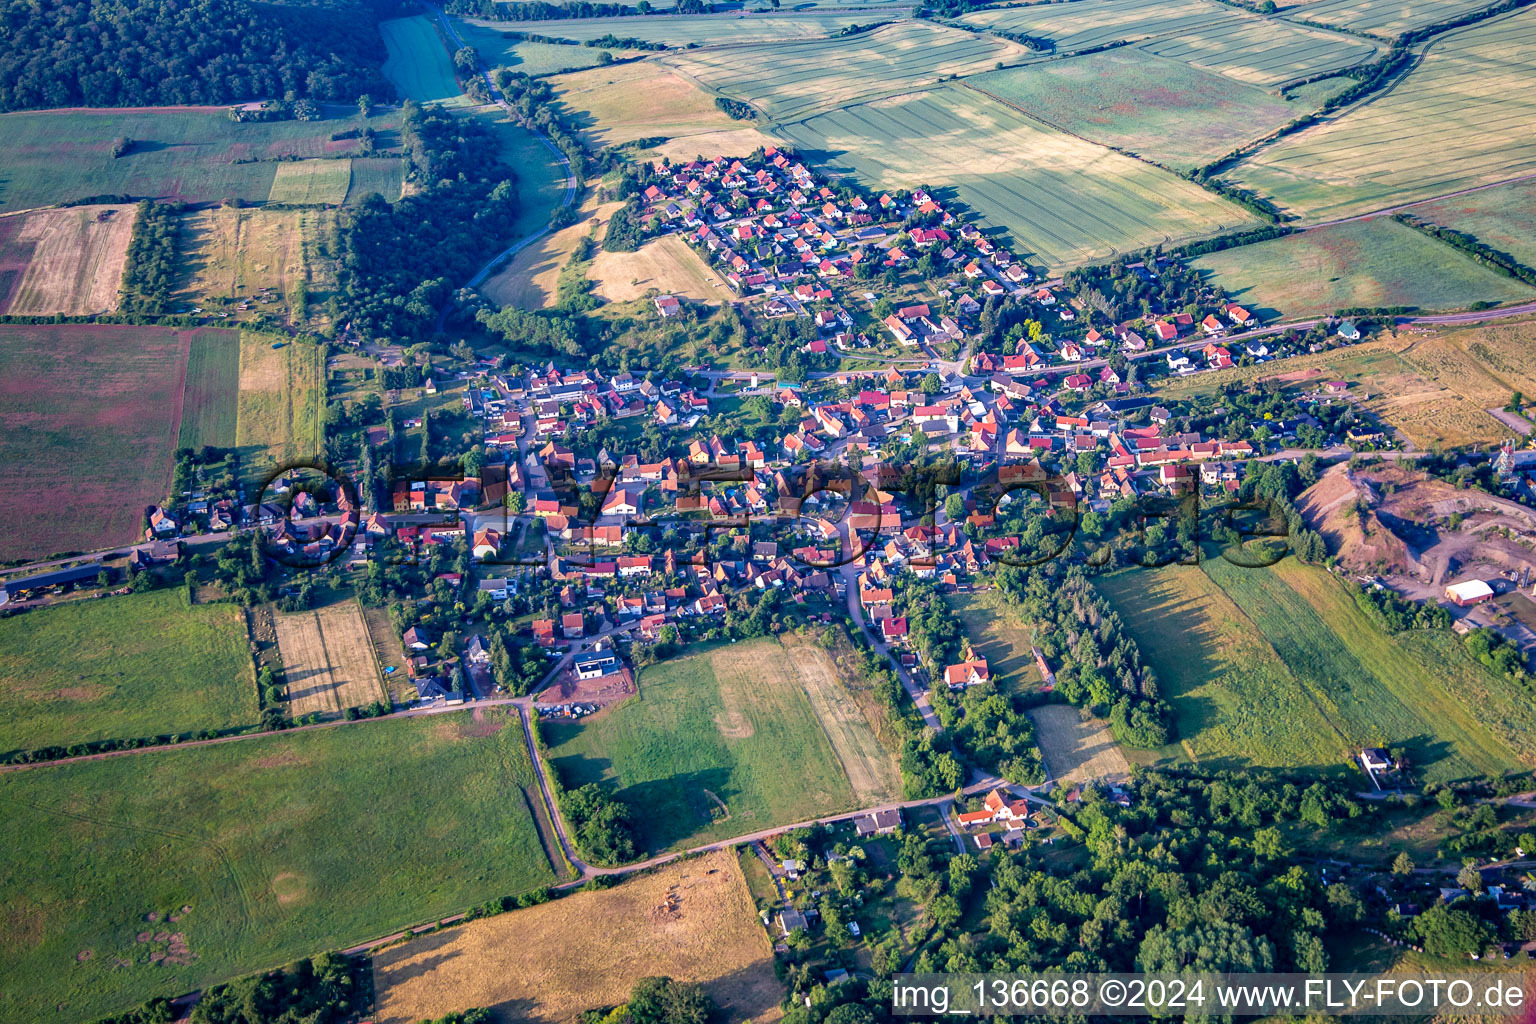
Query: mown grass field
point(1128, 98)
point(1001, 637)
point(540, 175)
point(281, 408)
point(328, 660)
point(717, 743)
point(90, 415)
point(1372, 263)
point(1503, 217)
point(122, 668)
point(311, 183)
point(1419, 692)
point(1464, 116)
point(1064, 201)
point(793, 80)
point(1236, 703)
point(491, 39)
point(646, 100)
point(210, 399)
point(666, 265)
point(1386, 18)
point(585, 951)
point(64, 261)
point(679, 30)
point(233, 255)
point(419, 64)
point(187, 154)
point(280, 846)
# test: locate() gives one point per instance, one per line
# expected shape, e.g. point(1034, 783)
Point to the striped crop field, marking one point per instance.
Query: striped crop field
point(1064, 200)
point(1088, 23)
point(1262, 52)
point(1465, 116)
point(679, 30)
point(1385, 18)
point(797, 79)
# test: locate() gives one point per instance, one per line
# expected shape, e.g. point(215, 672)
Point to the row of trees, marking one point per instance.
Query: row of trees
point(149, 275)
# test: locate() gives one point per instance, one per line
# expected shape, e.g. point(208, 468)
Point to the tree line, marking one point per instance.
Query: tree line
point(149, 276)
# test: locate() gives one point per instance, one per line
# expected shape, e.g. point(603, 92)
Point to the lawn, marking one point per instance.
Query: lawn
point(255, 852)
point(418, 64)
point(1064, 201)
point(1419, 692)
point(795, 79)
point(548, 964)
point(90, 415)
point(281, 408)
point(1465, 116)
point(1128, 98)
point(122, 668)
point(311, 183)
point(717, 743)
point(1503, 218)
point(1001, 637)
point(209, 405)
point(187, 154)
point(1371, 263)
point(1236, 703)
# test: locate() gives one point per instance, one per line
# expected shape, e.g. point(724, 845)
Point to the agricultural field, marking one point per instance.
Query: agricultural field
point(702, 748)
point(1385, 18)
point(419, 64)
point(328, 659)
point(125, 667)
point(64, 261)
point(529, 280)
point(793, 80)
point(1170, 112)
point(500, 45)
point(165, 871)
point(1262, 52)
point(645, 100)
point(999, 636)
point(1370, 263)
point(1014, 174)
point(186, 154)
point(693, 921)
point(680, 30)
point(1236, 703)
point(281, 408)
point(1089, 23)
point(664, 265)
point(311, 183)
point(1465, 116)
point(382, 174)
point(232, 256)
point(210, 399)
point(872, 771)
point(1077, 749)
point(1503, 218)
point(90, 415)
point(1420, 692)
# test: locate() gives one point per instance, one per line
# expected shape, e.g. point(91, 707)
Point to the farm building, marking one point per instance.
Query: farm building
point(1468, 592)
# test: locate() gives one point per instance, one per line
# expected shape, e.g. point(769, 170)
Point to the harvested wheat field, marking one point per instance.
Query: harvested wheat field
point(871, 769)
point(693, 921)
point(661, 266)
point(65, 261)
point(328, 659)
point(1077, 749)
point(641, 100)
point(726, 142)
point(529, 280)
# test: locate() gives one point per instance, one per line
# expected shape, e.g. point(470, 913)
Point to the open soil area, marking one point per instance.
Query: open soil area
point(90, 415)
point(64, 261)
point(328, 659)
point(122, 667)
point(280, 846)
point(693, 921)
point(1077, 749)
point(700, 752)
